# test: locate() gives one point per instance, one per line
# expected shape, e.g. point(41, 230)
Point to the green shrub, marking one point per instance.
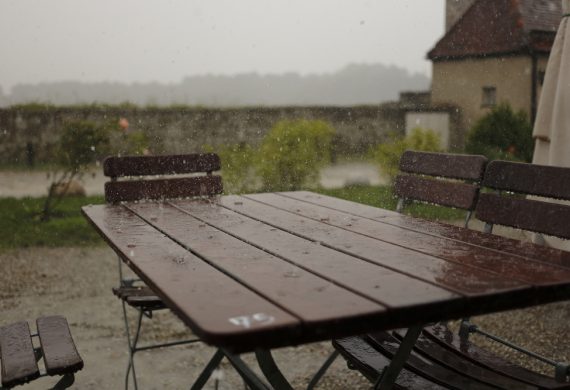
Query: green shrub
point(237, 167)
point(81, 144)
point(387, 155)
point(502, 134)
point(292, 153)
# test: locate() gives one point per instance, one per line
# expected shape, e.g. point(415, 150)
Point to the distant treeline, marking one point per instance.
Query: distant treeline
point(354, 84)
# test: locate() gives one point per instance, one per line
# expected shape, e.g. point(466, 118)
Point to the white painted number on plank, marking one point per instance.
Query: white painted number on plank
point(250, 320)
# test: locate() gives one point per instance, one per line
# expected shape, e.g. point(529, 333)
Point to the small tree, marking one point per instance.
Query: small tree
point(81, 143)
point(292, 153)
point(387, 155)
point(502, 134)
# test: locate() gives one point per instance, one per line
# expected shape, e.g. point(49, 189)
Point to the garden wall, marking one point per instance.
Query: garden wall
point(29, 133)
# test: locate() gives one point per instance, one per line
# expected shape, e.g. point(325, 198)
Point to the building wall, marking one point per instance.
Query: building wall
point(461, 82)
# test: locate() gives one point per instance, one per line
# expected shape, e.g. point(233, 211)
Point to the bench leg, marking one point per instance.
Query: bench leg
point(132, 346)
point(390, 373)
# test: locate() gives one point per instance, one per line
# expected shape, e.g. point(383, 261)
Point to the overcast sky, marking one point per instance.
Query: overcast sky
point(165, 40)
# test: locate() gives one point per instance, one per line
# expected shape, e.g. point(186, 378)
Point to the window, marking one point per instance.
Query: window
point(489, 97)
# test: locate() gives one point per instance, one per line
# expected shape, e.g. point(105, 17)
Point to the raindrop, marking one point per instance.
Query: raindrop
point(132, 253)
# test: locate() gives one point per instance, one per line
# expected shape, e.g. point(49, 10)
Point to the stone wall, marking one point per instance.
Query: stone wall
point(180, 130)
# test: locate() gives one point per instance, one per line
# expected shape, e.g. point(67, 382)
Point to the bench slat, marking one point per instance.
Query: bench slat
point(120, 191)
point(452, 166)
point(450, 194)
point(370, 363)
point(59, 352)
point(160, 165)
point(532, 179)
point(536, 216)
point(17, 356)
point(467, 350)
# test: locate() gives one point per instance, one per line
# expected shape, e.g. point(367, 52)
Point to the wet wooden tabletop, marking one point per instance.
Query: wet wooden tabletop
point(277, 269)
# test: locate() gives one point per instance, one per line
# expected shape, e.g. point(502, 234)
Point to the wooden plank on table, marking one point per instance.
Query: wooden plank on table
point(314, 300)
point(444, 193)
point(367, 279)
point(238, 317)
point(536, 216)
point(59, 351)
point(120, 191)
point(438, 229)
point(17, 356)
point(531, 272)
point(465, 280)
point(160, 165)
point(453, 166)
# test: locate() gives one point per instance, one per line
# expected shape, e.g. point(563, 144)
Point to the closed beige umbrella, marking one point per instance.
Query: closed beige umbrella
point(552, 125)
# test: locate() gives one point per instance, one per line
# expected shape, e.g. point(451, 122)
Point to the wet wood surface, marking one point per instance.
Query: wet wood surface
point(268, 270)
point(59, 352)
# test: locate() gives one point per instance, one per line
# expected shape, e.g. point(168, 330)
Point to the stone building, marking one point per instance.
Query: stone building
point(493, 51)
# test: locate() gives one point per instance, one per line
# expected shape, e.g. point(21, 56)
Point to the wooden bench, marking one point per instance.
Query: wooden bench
point(19, 358)
point(136, 178)
point(442, 359)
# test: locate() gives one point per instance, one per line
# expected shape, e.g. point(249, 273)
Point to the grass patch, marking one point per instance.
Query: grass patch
point(383, 197)
point(20, 225)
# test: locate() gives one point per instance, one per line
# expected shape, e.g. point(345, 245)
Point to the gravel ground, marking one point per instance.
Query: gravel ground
point(76, 282)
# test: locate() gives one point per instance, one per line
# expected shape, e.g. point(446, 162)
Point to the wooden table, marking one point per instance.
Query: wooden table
point(255, 272)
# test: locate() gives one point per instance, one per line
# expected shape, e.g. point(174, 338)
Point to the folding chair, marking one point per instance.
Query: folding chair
point(19, 357)
point(131, 291)
point(507, 207)
point(444, 179)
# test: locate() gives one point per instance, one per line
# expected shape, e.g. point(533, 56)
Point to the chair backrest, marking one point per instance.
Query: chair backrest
point(137, 187)
point(508, 207)
point(427, 179)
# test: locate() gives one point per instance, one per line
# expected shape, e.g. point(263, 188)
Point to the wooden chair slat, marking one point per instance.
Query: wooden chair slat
point(532, 215)
point(531, 179)
point(119, 191)
point(160, 165)
point(59, 352)
point(452, 166)
point(450, 194)
point(17, 356)
point(427, 368)
point(362, 356)
point(442, 356)
point(464, 349)
point(140, 297)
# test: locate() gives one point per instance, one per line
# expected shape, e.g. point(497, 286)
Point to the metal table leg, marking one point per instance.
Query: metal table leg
point(390, 373)
point(207, 372)
point(271, 371)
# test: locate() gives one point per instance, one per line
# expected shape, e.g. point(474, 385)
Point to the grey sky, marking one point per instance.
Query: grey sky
point(165, 40)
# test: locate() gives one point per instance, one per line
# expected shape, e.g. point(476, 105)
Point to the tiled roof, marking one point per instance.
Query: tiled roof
point(492, 27)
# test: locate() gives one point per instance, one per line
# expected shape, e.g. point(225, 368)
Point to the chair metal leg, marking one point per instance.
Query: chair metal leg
point(390, 374)
point(271, 370)
point(66, 381)
point(132, 346)
point(319, 374)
